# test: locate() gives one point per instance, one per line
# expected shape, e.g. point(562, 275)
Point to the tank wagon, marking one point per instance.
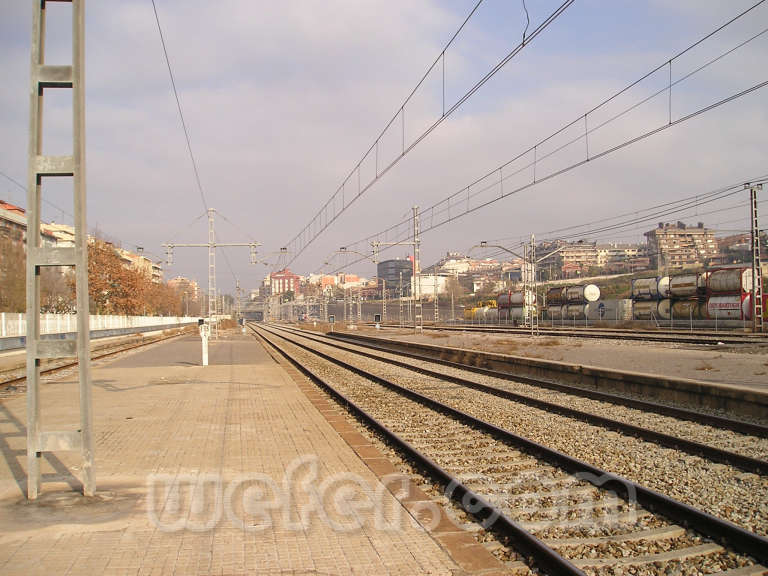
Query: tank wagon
point(515, 299)
point(730, 307)
point(729, 281)
point(652, 309)
point(571, 302)
point(581, 294)
point(692, 309)
point(688, 285)
point(515, 306)
point(653, 288)
point(480, 313)
point(556, 296)
point(720, 293)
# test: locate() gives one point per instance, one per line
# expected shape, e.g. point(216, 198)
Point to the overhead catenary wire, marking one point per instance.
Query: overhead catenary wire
point(178, 106)
point(317, 225)
point(64, 212)
point(593, 234)
point(442, 208)
point(238, 228)
point(651, 213)
point(24, 189)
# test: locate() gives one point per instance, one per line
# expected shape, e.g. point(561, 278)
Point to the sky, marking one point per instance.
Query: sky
point(282, 99)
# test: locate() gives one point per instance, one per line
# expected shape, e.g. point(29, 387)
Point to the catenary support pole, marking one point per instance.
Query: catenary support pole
point(43, 78)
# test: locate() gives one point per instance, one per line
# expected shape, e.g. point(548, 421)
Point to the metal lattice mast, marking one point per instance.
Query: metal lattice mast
point(346, 301)
point(359, 306)
point(238, 293)
point(437, 307)
point(212, 273)
point(324, 308)
point(525, 282)
point(383, 300)
point(757, 273)
point(532, 306)
point(211, 245)
point(45, 77)
point(417, 316)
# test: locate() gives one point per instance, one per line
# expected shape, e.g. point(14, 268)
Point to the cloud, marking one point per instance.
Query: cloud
point(282, 99)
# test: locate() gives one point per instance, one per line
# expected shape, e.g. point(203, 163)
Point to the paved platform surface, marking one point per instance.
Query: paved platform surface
point(225, 469)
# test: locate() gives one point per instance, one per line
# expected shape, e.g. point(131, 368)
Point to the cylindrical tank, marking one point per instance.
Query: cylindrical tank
point(702, 281)
point(650, 288)
point(520, 312)
point(554, 312)
point(664, 309)
point(645, 309)
point(683, 286)
point(576, 311)
point(492, 315)
point(730, 280)
point(662, 287)
point(733, 307)
point(688, 309)
point(586, 293)
point(556, 296)
point(515, 299)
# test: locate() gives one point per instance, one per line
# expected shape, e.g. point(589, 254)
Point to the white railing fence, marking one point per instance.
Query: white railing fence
point(15, 324)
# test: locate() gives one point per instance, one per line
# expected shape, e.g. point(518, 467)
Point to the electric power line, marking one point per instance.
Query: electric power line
point(24, 188)
point(178, 105)
point(321, 221)
point(442, 209)
point(592, 234)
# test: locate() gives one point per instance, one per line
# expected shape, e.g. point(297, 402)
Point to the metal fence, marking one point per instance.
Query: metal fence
point(15, 324)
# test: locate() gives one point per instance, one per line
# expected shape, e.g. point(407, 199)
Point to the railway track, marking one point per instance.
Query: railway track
point(696, 338)
point(10, 378)
point(737, 496)
point(705, 418)
point(749, 454)
point(565, 515)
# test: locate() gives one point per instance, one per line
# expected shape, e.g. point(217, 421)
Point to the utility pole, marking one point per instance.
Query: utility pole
point(757, 272)
point(211, 245)
point(416, 293)
point(383, 300)
point(238, 293)
point(44, 77)
point(417, 317)
point(532, 306)
point(359, 306)
point(400, 299)
point(437, 308)
point(525, 283)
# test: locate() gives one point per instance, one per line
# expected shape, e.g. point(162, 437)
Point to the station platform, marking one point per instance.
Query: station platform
point(233, 468)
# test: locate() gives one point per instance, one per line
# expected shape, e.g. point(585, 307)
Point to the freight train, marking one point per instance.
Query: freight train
point(715, 294)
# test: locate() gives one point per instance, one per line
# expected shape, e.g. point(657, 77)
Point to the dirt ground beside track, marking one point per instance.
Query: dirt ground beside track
point(735, 365)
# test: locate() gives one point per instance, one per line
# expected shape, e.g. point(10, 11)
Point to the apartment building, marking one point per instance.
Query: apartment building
point(678, 246)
